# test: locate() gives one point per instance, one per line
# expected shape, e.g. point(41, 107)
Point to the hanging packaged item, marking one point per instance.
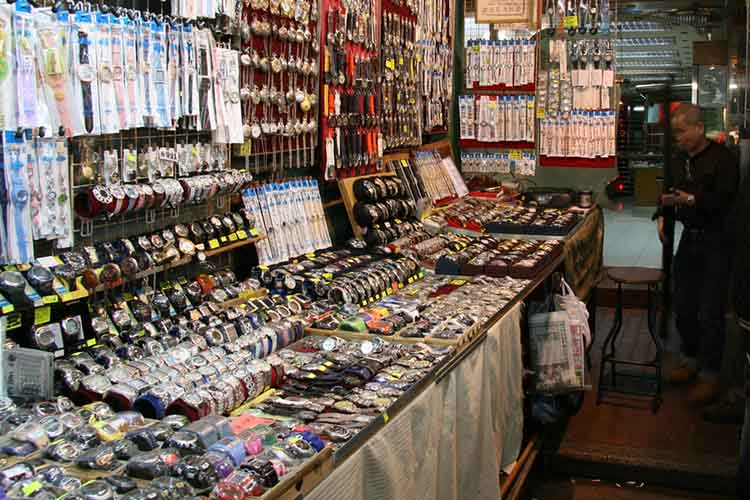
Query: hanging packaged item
point(29, 106)
point(20, 247)
point(108, 115)
point(86, 120)
point(57, 87)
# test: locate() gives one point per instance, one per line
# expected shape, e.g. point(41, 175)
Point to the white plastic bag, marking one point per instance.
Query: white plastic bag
point(557, 341)
point(576, 309)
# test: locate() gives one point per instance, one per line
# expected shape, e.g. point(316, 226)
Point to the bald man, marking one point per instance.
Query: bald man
point(706, 178)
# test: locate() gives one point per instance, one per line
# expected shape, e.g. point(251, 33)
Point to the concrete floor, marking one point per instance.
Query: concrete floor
point(630, 237)
point(624, 438)
point(582, 489)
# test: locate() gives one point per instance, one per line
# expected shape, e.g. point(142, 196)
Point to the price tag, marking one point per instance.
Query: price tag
point(224, 239)
point(515, 154)
point(323, 368)
point(233, 237)
point(254, 233)
point(541, 113)
point(127, 296)
point(42, 315)
point(458, 282)
point(370, 300)
point(31, 488)
point(390, 64)
point(91, 342)
point(421, 274)
point(401, 61)
point(14, 321)
point(386, 418)
point(411, 280)
point(310, 255)
point(241, 234)
point(7, 309)
point(404, 163)
point(389, 290)
point(570, 22)
point(327, 276)
point(50, 299)
point(213, 244)
point(311, 375)
point(263, 268)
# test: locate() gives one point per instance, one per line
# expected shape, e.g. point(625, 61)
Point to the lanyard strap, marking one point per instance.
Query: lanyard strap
point(107, 104)
point(55, 70)
point(145, 33)
point(175, 77)
point(131, 78)
point(20, 244)
point(159, 58)
point(64, 208)
point(118, 76)
point(26, 70)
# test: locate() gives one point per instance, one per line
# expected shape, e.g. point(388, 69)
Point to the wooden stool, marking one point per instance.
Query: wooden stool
point(651, 278)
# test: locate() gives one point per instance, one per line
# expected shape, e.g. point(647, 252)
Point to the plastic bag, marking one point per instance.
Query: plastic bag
point(557, 345)
point(576, 309)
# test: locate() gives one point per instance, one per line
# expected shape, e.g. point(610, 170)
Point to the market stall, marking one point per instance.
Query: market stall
point(178, 316)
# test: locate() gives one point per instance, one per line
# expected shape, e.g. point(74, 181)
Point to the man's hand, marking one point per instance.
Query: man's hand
point(679, 197)
point(660, 229)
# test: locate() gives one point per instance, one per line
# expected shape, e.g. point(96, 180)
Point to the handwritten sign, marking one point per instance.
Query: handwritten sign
point(504, 11)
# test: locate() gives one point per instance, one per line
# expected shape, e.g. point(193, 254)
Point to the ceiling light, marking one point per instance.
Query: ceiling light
point(643, 54)
point(733, 86)
point(652, 41)
point(631, 26)
point(649, 64)
point(639, 108)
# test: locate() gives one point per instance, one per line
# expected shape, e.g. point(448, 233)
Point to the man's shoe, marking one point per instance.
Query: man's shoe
point(730, 409)
point(704, 392)
point(682, 374)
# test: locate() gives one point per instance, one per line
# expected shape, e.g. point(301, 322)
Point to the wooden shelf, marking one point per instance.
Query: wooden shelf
point(177, 263)
point(333, 203)
point(232, 246)
point(473, 143)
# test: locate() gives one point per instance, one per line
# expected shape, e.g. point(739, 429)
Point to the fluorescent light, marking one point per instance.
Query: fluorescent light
point(643, 54)
point(652, 41)
point(733, 86)
point(649, 64)
point(639, 108)
point(694, 86)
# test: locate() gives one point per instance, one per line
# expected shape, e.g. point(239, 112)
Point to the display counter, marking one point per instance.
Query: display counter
point(452, 440)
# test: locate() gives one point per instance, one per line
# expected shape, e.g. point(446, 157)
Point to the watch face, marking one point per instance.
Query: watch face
point(117, 192)
point(157, 241)
point(196, 231)
point(216, 222)
point(145, 243)
point(238, 221)
point(168, 236)
point(186, 246)
point(228, 223)
point(209, 229)
point(182, 231)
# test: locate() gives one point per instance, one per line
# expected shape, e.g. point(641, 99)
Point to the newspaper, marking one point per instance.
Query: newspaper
point(557, 352)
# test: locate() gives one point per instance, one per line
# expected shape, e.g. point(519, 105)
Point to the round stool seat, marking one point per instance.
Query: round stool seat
point(635, 275)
